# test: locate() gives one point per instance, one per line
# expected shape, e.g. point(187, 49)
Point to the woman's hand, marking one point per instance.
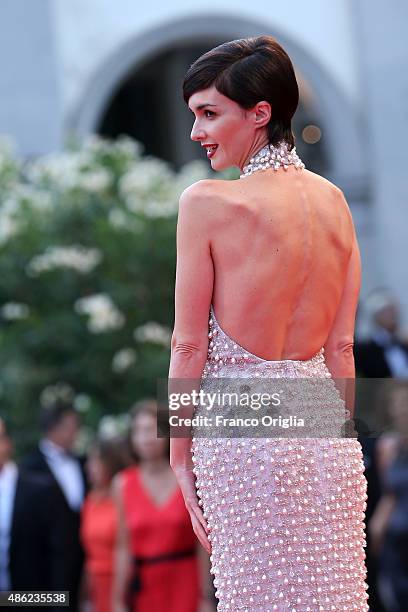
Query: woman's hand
point(378, 524)
point(376, 529)
point(186, 480)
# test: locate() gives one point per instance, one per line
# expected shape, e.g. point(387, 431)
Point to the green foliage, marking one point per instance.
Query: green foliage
point(87, 265)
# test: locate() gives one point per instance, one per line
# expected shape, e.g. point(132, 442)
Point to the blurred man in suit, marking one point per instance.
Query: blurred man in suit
point(384, 353)
point(54, 459)
point(31, 540)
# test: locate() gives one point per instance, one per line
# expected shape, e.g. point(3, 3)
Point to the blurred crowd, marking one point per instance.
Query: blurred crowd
point(382, 354)
point(112, 528)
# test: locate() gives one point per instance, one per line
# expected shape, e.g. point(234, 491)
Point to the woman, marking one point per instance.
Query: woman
point(388, 526)
point(99, 522)
point(157, 562)
point(270, 263)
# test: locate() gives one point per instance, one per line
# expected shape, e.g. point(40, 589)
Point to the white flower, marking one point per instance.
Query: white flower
point(129, 146)
point(95, 181)
point(60, 390)
point(96, 144)
point(111, 426)
point(39, 199)
point(8, 219)
point(124, 148)
point(153, 332)
point(15, 310)
point(69, 170)
point(152, 207)
point(158, 208)
point(103, 314)
point(60, 169)
point(190, 173)
point(83, 440)
point(143, 177)
point(82, 402)
point(118, 218)
point(12, 211)
point(123, 359)
point(77, 257)
point(149, 188)
point(107, 427)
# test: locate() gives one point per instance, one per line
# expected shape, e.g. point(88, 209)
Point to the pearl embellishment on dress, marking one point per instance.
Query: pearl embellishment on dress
point(286, 515)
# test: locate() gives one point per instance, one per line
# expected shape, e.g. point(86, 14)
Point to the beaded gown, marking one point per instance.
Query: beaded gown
point(285, 514)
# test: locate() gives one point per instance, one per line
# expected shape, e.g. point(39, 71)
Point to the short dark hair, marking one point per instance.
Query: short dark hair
point(111, 453)
point(248, 70)
point(52, 415)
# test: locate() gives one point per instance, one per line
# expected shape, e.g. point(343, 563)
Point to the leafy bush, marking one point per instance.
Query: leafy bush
point(87, 245)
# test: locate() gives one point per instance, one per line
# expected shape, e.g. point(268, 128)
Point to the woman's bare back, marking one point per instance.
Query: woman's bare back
point(280, 246)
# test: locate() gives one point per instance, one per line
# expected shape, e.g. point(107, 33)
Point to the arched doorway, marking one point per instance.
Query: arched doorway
point(138, 91)
point(148, 106)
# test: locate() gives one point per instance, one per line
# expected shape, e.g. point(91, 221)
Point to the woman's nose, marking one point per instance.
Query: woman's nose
point(196, 133)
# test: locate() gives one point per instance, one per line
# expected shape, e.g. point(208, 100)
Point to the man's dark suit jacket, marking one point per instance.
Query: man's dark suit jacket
point(369, 358)
point(69, 521)
point(36, 559)
point(370, 362)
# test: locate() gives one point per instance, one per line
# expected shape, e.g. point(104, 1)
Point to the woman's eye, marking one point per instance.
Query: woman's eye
point(208, 111)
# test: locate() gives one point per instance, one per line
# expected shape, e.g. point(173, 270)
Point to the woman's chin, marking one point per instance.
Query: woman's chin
point(218, 165)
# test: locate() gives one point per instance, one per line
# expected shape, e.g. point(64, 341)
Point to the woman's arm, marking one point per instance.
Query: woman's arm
point(377, 525)
point(386, 450)
point(338, 348)
point(193, 293)
point(189, 345)
point(122, 557)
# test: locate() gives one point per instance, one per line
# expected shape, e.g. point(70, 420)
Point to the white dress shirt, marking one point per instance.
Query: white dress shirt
point(67, 472)
point(394, 355)
point(8, 481)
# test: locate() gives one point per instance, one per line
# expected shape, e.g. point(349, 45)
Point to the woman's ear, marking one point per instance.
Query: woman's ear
point(263, 113)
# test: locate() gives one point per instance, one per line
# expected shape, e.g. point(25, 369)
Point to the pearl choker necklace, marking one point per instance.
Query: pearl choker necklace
point(271, 156)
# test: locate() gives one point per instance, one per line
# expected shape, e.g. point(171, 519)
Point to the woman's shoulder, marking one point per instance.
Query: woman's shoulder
point(323, 183)
point(200, 190)
point(131, 471)
point(218, 199)
point(204, 202)
point(225, 187)
point(332, 201)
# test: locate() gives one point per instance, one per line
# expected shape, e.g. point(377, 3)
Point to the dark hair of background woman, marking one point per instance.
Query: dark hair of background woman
point(247, 71)
point(147, 406)
point(112, 454)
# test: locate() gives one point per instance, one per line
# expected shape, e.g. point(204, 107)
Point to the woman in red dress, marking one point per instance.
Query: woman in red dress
point(159, 565)
point(99, 523)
